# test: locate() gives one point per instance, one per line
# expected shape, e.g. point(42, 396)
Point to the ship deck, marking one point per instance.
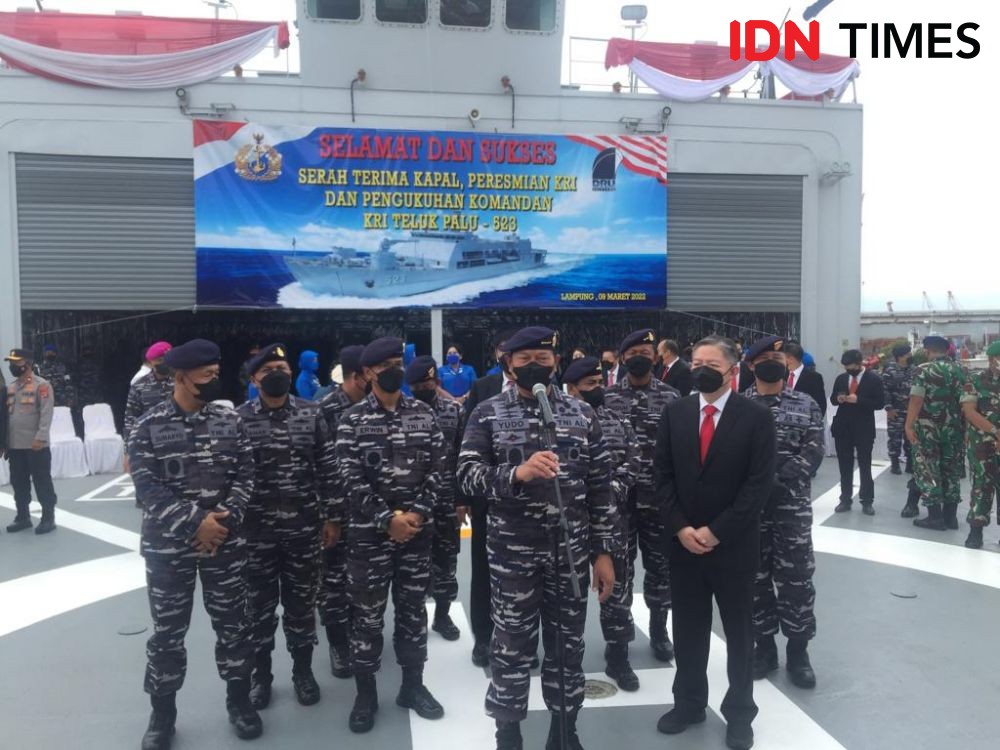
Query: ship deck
point(904, 656)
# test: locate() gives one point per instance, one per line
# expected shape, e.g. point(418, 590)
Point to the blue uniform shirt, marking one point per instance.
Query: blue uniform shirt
point(457, 382)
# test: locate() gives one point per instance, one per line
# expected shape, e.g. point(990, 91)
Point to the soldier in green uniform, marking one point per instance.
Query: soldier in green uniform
point(934, 429)
point(981, 409)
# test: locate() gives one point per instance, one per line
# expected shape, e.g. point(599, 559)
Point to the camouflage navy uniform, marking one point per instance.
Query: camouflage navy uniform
point(57, 374)
point(784, 591)
point(89, 388)
point(143, 395)
point(896, 382)
point(983, 390)
point(389, 461)
point(183, 467)
point(295, 465)
point(447, 534)
point(938, 461)
point(641, 407)
point(522, 531)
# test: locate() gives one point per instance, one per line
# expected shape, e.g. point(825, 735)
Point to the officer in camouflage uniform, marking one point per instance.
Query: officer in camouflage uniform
point(784, 593)
point(640, 399)
point(55, 371)
point(422, 378)
point(934, 429)
point(335, 605)
point(150, 390)
point(505, 458)
point(584, 379)
point(389, 452)
point(192, 467)
point(981, 409)
point(294, 469)
point(89, 382)
point(897, 377)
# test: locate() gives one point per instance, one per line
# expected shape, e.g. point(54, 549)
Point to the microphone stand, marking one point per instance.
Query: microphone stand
point(549, 435)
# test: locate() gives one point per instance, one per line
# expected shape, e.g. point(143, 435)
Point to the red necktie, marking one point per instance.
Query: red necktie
point(707, 430)
point(791, 380)
point(853, 388)
point(735, 381)
point(666, 371)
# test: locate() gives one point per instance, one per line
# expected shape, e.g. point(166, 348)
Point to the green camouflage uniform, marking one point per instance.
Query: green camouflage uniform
point(983, 390)
point(938, 451)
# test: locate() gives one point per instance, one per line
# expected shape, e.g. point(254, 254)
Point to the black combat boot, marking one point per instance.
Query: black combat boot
point(242, 715)
point(443, 623)
point(949, 512)
point(868, 507)
point(260, 681)
point(340, 652)
point(160, 732)
point(799, 668)
point(22, 521)
point(975, 538)
point(659, 641)
point(618, 667)
point(895, 468)
point(414, 694)
point(765, 657)
point(365, 704)
point(909, 465)
point(509, 735)
point(934, 520)
point(912, 507)
point(554, 742)
point(48, 522)
point(306, 687)
point(481, 654)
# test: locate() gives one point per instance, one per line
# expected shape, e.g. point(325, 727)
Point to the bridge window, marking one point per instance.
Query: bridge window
point(531, 15)
point(336, 10)
point(401, 11)
point(475, 13)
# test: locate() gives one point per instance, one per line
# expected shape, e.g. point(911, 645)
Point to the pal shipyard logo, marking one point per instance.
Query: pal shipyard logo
point(257, 161)
point(604, 171)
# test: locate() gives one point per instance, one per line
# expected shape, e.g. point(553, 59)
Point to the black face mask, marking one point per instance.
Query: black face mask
point(594, 397)
point(639, 366)
point(50, 357)
point(707, 380)
point(391, 380)
point(17, 370)
point(606, 366)
point(210, 391)
point(529, 375)
point(162, 370)
point(276, 383)
point(853, 371)
point(427, 395)
point(770, 371)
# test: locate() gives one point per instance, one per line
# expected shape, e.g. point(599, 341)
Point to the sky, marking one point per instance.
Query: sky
point(930, 165)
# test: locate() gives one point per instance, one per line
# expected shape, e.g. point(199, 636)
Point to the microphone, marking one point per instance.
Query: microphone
point(539, 391)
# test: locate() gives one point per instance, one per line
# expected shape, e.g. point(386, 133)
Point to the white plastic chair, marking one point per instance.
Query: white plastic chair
point(68, 457)
point(4, 472)
point(102, 444)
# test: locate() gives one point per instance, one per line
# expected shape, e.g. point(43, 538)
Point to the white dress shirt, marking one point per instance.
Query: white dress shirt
point(720, 404)
point(796, 373)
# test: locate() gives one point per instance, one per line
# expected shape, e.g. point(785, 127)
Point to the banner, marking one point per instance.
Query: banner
point(300, 217)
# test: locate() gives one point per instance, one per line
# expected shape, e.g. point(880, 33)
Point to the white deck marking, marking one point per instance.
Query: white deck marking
point(824, 504)
point(118, 481)
point(105, 532)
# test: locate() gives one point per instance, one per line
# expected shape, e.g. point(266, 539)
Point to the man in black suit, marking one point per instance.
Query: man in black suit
point(673, 370)
point(715, 463)
point(613, 371)
point(803, 380)
point(857, 394)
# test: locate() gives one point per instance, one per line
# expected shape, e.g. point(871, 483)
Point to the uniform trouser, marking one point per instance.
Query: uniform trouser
point(29, 467)
point(897, 442)
point(695, 580)
point(984, 467)
point(938, 468)
point(847, 445)
point(480, 617)
point(376, 563)
point(783, 591)
point(648, 536)
point(527, 587)
point(444, 555)
point(285, 568)
point(335, 603)
point(170, 580)
point(617, 625)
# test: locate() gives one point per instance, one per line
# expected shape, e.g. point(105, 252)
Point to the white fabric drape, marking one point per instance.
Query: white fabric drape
point(140, 71)
point(683, 89)
point(809, 83)
point(102, 444)
point(68, 457)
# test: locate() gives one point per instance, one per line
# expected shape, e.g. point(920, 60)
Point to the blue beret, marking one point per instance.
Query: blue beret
point(193, 354)
point(581, 368)
point(765, 344)
point(645, 336)
point(808, 360)
point(421, 369)
point(387, 347)
point(350, 358)
point(269, 353)
point(936, 342)
point(532, 337)
point(901, 350)
point(49, 348)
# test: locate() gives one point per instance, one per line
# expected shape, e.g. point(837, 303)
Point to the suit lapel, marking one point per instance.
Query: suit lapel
point(726, 421)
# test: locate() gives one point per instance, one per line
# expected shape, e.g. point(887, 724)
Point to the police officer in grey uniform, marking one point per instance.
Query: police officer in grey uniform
point(335, 605)
point(293, 497)
point(422, 378)
point(897, 377)
point(584, 379)
point(783, 591)
point(639, 399)
point(30, 401)
point(506, 458)
point(192, 466)
point(153, 388)
point(389, 452)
